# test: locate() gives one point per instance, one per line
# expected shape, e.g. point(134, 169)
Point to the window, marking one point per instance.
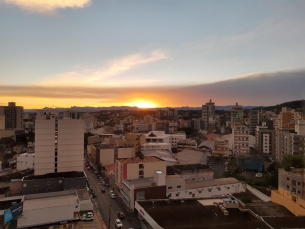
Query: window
point(24, 185)
point(179, 186)
point(177, 194)
point(299, 183)
point(48, 182)
point(288, 187)
point(141, 166)
point(60, 181)
point(141, 173)
point(169, 187)
point(37, 184)
point(228, 187)
point(288, 178)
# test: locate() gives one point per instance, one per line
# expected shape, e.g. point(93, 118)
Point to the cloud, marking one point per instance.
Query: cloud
point(267, 88)
point(48, 6)
point(115, 67)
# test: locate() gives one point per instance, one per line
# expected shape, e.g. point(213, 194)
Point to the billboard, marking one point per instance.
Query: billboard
point(13, 212)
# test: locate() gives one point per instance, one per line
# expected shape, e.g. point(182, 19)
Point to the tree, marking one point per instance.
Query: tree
point(293, 161)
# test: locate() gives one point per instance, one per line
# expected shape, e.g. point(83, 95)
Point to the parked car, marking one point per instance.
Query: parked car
point(87, 217)
point(112, 195)
point(93, 194)
point(258, 175)
point(118, 223)
point(121, 215)
point(103, 190)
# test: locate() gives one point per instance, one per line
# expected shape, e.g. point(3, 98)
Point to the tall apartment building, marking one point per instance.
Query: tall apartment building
point(12, 116)
point(285, 117)
point(208, 115)
point(240, 136)
point(237, 115)
point(265, 140)
point(59, 143)
point(253, 121)
point(290, 140)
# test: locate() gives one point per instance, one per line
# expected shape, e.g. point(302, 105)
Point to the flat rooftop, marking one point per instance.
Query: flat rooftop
point(49, 202)
point(138, 160)
point(178, 169)
point(211, 183)
point(55, 175)
point(192, 214)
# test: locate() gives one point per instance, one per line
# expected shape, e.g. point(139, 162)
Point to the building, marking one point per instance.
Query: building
point(177, 188)
point(105, 154)
point(240, 134)
point(291, 191)
point(253, 121)
point(89, 121)
point(208, 115)
point(132, 139)
point(136, 167)
point(144, 189)
point(206, 213)
point(285, 117)
point(265, 140)
point(52, 210)
point(25, 161)
point(186, 144)
point(13, 116)
point(290, 140)
point(237, 115)
point(191, 172)
point(162, 137)
point(59, 143)
point(164, 155)
point(188, 156)
point(221, 147)
point(149, 146)
point(53, 182)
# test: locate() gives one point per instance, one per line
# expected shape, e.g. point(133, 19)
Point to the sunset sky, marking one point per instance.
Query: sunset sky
point(63, 53)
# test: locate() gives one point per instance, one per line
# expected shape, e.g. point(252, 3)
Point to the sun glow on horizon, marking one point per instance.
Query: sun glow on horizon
point(144, 104)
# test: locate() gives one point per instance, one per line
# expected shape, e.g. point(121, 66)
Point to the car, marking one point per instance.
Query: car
point(112, 195)
point(118, 223)
point(87, 217)
point(103, 190)
point(93, 194)
point(104, 183)
point(121, 215)
point(258, 175)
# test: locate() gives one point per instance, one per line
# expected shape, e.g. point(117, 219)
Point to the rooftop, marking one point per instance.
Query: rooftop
point(141, 182)
point(193, 214)
point(211, 183)
point(55, 175)
point(178, 169)
point(161, 154)
point(138, 160)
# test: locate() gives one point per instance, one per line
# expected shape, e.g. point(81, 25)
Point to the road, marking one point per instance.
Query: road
point(106, 204)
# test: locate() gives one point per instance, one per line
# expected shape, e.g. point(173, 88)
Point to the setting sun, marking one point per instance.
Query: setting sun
point(143, 104)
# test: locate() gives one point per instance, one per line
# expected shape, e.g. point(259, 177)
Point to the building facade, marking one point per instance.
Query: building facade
point(240, 136)
point(208, 115)
point(12, 116)
point(59, 143)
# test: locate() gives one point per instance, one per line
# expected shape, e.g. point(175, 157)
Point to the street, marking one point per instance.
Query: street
point(108, 206)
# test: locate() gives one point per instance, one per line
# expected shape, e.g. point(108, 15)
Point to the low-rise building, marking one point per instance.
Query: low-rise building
point(57, 209)
point(25, 161)
point(191, 172)
point(186, 144)
point(291, 191)
point(136, 167)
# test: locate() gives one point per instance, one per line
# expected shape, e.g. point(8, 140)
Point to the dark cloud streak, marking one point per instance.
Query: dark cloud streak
point(255, 89)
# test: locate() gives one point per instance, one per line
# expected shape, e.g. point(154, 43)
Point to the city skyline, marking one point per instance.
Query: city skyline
point(151, 54)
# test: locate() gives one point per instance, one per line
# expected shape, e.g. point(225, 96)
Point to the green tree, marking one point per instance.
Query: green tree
point(293, 161)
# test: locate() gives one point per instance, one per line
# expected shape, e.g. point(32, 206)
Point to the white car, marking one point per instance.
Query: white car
point(118, 223)
point(112, 195)
point(87, 217)
point(258, 175)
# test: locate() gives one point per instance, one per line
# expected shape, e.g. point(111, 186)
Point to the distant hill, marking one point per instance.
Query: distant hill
point(297, 104)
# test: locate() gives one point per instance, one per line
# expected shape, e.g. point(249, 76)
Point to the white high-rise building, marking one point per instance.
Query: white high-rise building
point(59, 143)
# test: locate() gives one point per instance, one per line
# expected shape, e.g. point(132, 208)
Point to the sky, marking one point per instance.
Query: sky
point(63, 53)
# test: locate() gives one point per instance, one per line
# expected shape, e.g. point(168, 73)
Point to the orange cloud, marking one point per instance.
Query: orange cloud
point(48, 6)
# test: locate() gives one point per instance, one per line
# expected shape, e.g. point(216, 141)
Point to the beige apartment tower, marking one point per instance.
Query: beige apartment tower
point(59, 144)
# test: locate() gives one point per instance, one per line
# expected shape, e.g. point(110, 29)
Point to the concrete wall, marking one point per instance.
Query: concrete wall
point(25, 161)
point(175, 183)
point(106, 156)
point(74, 183)
point(293, 204)
point(126, 152)
point(207, 191)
